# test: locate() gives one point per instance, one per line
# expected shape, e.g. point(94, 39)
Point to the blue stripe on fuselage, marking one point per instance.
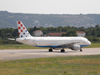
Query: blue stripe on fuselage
point(60, 46)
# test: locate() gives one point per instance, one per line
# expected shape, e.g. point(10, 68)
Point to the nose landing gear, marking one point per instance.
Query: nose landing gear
point(80, 49)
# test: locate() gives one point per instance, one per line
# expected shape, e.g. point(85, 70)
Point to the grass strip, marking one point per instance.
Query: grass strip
point(70, 65)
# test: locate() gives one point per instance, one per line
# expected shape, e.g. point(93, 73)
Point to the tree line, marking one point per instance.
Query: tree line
point(92, 33)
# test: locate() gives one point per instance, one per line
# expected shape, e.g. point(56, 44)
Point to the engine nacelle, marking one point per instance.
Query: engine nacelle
point(75, 47)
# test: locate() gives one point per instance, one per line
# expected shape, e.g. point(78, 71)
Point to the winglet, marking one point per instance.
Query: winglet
point(22, 30)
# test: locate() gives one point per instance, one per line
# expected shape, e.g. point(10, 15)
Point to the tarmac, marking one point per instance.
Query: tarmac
point(14, 54)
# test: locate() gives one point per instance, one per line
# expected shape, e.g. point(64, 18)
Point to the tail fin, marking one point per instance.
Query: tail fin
point(22, 30)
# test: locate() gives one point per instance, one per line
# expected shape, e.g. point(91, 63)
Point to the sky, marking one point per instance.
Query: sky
point(51, 6)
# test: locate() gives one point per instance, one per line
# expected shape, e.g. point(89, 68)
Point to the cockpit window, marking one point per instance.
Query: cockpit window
point(85, 39)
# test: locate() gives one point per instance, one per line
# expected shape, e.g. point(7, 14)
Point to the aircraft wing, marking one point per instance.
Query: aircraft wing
point(69, 45)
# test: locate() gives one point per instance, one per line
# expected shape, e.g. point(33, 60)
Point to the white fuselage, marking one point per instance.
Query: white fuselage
point(53, 42)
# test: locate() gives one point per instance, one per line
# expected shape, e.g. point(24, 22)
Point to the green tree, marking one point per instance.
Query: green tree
point(70, 33)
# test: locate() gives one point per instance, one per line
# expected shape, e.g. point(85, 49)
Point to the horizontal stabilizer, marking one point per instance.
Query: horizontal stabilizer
point(11, 39)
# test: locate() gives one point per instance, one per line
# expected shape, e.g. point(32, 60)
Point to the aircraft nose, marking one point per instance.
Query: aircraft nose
point(89, 42)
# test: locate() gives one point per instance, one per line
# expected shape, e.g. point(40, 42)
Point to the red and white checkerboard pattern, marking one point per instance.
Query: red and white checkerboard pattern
point(22, 30)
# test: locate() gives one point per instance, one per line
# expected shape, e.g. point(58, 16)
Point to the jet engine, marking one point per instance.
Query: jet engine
point(75, 47)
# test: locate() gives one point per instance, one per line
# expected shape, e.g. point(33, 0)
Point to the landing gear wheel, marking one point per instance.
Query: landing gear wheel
point(62, 50)
point(50, 50)
point(80, 50)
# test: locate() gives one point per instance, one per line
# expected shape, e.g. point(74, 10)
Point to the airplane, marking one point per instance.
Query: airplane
point(73, 43)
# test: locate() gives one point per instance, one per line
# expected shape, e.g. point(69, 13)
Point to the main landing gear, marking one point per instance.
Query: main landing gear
point(50, 50)
point(80, 49)
point(62, 50)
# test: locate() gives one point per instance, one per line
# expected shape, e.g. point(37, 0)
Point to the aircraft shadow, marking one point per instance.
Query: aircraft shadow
point(57, 51)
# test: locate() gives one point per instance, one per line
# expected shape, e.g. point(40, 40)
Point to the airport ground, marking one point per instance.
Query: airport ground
point(41, 62)
point(38, 53)
point(67, 65)
point(20, 51)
